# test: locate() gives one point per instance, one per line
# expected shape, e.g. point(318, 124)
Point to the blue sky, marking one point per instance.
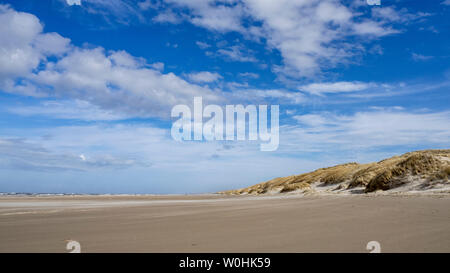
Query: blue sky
point(87, 86)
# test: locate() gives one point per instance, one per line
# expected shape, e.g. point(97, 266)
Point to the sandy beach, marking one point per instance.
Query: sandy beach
point(215, 223)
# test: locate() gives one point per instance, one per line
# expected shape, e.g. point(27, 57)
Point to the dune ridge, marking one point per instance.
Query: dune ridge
point(414, 171)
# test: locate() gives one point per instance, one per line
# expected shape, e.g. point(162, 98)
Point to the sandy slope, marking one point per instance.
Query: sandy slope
point(211, 223)
point(420, 171)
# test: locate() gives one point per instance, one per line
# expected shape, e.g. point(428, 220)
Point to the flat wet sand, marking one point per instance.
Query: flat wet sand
point(215, 223)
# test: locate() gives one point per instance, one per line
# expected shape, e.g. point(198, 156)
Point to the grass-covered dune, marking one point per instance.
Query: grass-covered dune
point(420, 170)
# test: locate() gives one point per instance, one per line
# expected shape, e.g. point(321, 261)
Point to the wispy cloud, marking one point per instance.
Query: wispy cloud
point(249, 75)
point(335, 136)
point(418, 57)
point(202, 45)
point(376, 129)
point(69, 109)
point(168, 17)
point(310, 35)
point(236, 53)
point(26, 155)
point(204, 77)
point(334, 87)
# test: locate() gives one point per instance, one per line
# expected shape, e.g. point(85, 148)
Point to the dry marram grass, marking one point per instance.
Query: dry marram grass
point(431, 166)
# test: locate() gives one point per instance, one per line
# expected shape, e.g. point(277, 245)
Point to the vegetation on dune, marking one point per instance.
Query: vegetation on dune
point(430, 166)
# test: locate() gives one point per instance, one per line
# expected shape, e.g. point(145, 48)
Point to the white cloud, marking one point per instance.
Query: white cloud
point(51, 44)
point(373, 28)
point(204, 77)
point(31, 155)
point(73, 2)
point(219, 16)
point(334, 87)
point(249, 75)
point(24, 45)
point(236, 53)
point(113, 12)
point(311, 36)
point(123, 59)
point(312, 120)
point(112, 80)
point(147, 4)
point(390, 14)
point(418, 57)
point(90, 74)
point(202, 45)
point(446, 2)
point(158, 66)
point(167, 17)
point(24, 49)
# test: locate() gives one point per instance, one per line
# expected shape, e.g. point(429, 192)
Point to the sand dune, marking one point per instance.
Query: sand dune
point(418, 172)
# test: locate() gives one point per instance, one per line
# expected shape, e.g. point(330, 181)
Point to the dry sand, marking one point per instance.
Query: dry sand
point(215, 223)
